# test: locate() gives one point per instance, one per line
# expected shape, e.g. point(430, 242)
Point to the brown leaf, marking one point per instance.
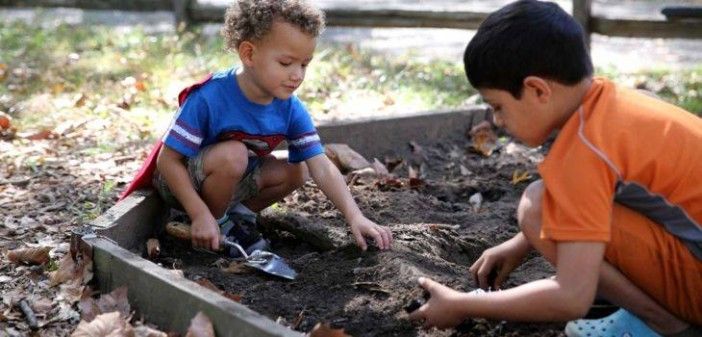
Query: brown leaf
point(392, 163)
point(5, 121)
point(79, 100)
point(115, 301)
point(58, 88)
point(140, 85)
point(379, 168)
point(145, 331)
point(105, 325)
point(70, 270)
point(40, 135)
point(484, 139)
point(88, 309)
point(324, 330)
point(209, 285)
point(153, 248)
point(200, 326)
point(345, 158)
point(518, 176)
point(32, 255)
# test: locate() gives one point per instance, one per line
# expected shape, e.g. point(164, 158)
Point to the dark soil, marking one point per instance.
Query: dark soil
point(437, 234)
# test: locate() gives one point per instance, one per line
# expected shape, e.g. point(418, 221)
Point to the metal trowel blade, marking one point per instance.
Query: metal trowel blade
point(270, 263)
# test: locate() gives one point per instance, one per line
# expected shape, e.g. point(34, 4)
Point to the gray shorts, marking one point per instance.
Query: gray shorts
point(246, 188)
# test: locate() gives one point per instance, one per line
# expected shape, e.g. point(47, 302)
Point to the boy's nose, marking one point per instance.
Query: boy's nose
point(297, 74)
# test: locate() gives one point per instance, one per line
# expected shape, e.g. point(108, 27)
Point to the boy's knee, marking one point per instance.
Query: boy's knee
point(229, 158)
point(529, 209)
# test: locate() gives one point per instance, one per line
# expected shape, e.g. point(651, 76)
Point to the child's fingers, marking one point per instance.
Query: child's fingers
point(214, 243)
point(377, 237)
point(483, 273)
point(418, 314)
point(386, 238)
point(473, 270)
point(360, 241)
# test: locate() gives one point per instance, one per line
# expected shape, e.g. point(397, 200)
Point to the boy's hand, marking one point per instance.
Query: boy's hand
point(442, 310)
point(496, 263)
point(361, 227)
point(205, 233)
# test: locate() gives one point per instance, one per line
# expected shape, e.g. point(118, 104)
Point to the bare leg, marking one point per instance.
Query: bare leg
point(278, 179)
point(612, 285)
point(224, 165)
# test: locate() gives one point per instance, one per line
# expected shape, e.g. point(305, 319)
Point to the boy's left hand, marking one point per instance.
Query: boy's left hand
point(442, 310)
point(361, 227)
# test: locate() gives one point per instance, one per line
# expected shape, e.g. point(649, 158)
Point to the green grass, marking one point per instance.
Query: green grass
point(66, 72)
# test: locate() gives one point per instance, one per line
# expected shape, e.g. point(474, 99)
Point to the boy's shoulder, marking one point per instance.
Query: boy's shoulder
point(214, 83)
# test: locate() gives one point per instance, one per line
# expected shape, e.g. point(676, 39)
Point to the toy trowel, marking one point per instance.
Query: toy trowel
point(264, 261)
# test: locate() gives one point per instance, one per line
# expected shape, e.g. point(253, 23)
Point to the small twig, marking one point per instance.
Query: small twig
point(371, 286)
point(29, 314)
point(16, 181)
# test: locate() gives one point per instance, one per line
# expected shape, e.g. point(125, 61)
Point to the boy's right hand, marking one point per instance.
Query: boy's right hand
point(205, 232)
point(496, 263)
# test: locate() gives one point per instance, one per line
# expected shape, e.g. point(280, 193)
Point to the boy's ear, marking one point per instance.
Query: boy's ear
point(246, 50)
point(539, 87)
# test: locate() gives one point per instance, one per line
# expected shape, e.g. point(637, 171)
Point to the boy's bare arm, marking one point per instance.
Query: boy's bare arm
point(565, 297)
point(332, 183)
point(204, 230)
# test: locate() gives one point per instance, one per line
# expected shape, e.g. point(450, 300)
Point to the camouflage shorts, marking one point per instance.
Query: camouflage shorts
point(246, 188)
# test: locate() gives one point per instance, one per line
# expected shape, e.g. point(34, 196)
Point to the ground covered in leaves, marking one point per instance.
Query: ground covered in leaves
point(445, 204)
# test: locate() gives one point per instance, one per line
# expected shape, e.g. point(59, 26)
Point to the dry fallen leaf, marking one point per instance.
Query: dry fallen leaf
point(32, 255)
point(153, 248)
point(68, 270)
point(200, 326)
point(105, 325)
point(145, 331)
point(379, 168)
point(345, 158)
point(209, 285)
point(115, 301)
point(324, 330)
point(484, 139)
point(88, 309)
point(5, 121)
point(519, 176)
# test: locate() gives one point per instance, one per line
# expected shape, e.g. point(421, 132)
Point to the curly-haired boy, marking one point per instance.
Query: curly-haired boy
point(217, 164)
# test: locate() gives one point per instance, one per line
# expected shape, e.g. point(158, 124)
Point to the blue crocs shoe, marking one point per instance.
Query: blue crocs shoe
point(619, 324)
point(243, 232)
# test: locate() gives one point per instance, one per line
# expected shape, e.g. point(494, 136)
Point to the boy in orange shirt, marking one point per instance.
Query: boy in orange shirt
point(618, 211)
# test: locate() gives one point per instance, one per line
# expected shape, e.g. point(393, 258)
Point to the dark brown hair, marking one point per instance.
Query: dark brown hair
point(252, 19)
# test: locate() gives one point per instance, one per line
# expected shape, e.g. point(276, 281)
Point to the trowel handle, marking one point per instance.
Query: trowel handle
point(179, 230)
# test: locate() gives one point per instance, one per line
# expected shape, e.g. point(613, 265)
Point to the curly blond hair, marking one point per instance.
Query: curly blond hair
point(252, 19)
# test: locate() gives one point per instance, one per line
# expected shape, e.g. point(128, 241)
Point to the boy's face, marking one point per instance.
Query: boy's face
point(279, 60)
point(526, 119)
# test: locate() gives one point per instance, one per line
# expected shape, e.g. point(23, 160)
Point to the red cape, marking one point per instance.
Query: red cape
point(146, 172)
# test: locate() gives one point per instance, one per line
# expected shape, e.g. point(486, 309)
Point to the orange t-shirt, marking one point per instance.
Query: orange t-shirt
point(626, 147)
